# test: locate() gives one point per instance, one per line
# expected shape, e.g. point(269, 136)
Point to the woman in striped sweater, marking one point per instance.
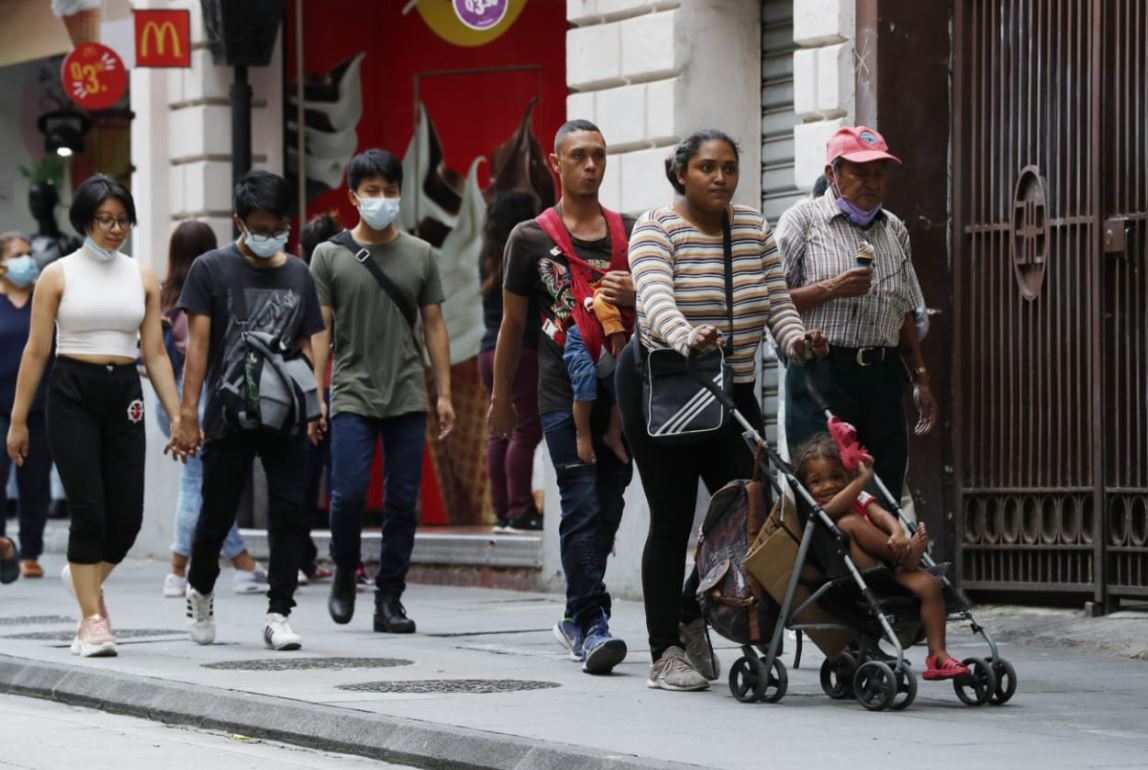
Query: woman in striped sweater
point(678, 262)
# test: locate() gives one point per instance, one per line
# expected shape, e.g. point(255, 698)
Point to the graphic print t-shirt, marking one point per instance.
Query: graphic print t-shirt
point(533, 270)
point(281, 302)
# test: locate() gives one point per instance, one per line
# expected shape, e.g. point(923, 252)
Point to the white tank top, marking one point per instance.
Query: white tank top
point(102, 307)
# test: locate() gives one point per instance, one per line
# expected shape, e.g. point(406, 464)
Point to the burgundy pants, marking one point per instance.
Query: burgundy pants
point(510, 462)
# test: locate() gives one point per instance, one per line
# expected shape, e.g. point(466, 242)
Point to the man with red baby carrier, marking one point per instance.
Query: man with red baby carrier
point(565, 259)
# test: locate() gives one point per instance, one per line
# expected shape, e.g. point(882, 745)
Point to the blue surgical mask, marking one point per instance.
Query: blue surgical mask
point(378, 213)
point(264, 246)
point(99, 253)
point(22, 271)
point(857, 215)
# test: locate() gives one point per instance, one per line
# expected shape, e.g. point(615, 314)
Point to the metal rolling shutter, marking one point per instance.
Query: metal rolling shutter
point(778, 188)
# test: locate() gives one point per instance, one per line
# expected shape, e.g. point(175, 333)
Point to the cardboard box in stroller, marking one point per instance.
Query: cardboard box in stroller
point(771, 560)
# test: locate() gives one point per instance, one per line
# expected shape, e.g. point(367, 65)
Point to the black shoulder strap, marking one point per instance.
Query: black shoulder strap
point(363, 256)
point(727, 247)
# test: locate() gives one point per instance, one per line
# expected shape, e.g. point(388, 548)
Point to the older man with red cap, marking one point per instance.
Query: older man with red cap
point(847, 262)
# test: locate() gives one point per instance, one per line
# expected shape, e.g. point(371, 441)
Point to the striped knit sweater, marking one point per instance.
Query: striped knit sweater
point(679, 273)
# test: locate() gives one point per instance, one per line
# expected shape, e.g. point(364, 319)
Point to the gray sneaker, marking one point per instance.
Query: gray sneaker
point(699, 650)
point(673, 671)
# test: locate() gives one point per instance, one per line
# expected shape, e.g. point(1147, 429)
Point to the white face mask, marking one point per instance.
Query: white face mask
point(378, 213)
point(265, 246)
point(99, 253)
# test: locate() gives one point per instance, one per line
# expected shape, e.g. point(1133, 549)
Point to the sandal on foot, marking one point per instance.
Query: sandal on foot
point(951, 668)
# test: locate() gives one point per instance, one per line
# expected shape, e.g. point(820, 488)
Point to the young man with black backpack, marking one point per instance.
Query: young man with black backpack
point(375, 282)
point(251, 311)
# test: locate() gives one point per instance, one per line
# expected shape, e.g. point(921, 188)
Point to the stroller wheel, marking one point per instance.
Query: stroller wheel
point(837, 676)
point(1006, 681)
point(906, 688)
point(876, 685)
point(979, 686)
point(743, 678)
point(778, 682)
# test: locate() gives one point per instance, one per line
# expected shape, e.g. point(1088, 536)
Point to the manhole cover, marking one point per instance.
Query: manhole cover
point(120, 633)
point(35, 620)
point(427, 686)
point(303, 664)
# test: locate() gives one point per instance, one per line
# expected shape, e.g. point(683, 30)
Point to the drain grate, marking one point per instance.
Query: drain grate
point(307, 664)
point(120, 633)
point(468, 686)
point(35, 620)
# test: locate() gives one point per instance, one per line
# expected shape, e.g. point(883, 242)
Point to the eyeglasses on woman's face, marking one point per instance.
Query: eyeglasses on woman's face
point(108, 223)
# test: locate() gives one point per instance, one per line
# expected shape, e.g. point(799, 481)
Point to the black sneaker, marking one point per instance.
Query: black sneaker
point(502, 524)
point(528, 522)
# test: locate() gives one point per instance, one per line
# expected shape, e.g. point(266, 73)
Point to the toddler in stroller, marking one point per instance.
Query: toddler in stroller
point(875, 535)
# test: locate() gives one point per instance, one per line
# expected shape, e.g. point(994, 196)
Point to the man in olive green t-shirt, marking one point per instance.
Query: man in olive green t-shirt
point(377, 383)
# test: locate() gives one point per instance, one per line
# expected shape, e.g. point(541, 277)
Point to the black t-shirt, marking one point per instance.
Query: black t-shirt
point(281, 301)
point(533, 271)
point(492, 318)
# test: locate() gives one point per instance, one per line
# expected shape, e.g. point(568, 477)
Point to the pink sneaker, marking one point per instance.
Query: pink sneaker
point(70, 587)
point(94, 639)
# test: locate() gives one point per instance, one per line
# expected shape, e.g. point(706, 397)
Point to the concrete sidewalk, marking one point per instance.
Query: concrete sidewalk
point(483, 684)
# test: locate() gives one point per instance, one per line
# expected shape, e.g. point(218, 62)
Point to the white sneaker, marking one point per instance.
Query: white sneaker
point(303, 579)
point(174, 586)
point(200, 616)
point(253, 582)
point(278, 635)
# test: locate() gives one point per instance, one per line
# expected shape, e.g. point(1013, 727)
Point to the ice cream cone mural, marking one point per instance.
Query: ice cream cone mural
point(432, 205)
point(81, 17)
point(459, 461)
point(332, 106)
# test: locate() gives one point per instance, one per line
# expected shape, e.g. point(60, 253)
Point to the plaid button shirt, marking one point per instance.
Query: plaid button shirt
point(817, 241)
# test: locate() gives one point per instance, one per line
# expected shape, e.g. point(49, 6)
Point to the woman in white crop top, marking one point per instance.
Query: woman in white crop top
point(105, 310)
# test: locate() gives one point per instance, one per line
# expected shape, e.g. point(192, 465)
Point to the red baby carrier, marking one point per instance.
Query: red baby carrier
point(582, 277)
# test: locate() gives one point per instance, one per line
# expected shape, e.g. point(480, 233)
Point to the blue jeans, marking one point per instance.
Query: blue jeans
point(591, 498)
point(353, 440)
point(33, 485)
point(190, 498)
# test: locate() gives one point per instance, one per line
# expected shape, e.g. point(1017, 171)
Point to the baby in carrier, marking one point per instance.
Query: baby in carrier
point(875, 535)
point(586, 370)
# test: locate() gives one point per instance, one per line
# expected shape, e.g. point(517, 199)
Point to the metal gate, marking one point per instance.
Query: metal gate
point(1049, 261)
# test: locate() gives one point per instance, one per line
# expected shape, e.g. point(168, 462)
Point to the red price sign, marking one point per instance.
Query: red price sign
point(94, 76)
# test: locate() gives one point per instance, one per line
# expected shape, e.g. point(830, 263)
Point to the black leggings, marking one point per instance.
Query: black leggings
point(670, 477)
point(96, 432)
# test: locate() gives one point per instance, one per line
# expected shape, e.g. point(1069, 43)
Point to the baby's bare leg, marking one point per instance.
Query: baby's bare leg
point(868, 545)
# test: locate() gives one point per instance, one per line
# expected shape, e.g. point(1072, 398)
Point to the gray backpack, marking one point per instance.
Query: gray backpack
point(268, 387)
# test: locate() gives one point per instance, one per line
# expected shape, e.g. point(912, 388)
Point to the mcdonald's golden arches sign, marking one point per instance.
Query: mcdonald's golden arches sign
point(163, 38)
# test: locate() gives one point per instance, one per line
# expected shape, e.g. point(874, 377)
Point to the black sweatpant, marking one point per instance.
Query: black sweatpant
point(96, 432)
point(871, 398)
point(670, 477)
point(226, 467)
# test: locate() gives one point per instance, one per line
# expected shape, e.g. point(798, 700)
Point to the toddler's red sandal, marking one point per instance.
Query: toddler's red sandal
point(950, 669)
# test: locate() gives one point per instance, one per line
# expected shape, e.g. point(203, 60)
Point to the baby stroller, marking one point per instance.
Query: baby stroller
point(801, 559)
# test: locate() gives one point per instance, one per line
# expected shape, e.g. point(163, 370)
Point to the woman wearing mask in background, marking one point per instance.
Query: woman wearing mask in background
point(188, 241)
point(18, 273)
point(102, 303)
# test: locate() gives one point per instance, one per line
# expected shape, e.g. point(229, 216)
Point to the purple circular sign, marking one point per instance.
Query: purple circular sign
point(481, 14)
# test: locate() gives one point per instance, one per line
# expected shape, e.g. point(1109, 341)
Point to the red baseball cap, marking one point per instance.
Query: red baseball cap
point(858, 144)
